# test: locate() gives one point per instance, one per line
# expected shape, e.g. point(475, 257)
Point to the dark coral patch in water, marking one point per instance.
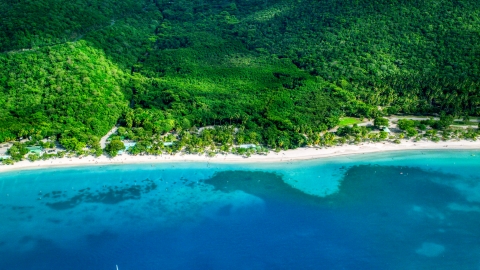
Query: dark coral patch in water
point(21, 207)
point(109, 195)
point(54, 221)
point(97, 240)
point(360, 184)
point(371, 184)
point(225, 211)
point(265, 185)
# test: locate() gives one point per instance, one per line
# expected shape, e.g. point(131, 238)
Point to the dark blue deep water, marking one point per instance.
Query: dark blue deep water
point(406, 210)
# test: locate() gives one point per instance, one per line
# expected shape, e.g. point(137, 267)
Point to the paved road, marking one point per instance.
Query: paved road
point(103, 140)
point(394, 118)
point(3, 150)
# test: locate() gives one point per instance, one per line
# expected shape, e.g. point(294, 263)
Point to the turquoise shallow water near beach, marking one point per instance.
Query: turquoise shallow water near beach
point(396, 210)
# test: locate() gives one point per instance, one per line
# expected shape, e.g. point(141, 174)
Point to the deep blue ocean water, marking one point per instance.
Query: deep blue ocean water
point(401, 210)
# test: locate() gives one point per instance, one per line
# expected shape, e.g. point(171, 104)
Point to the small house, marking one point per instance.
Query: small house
point(128, 146)
point(247, 146)
point(35, 149)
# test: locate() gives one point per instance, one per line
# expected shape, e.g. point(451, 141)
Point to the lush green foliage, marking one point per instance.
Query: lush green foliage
point(415, 56)
point(278, 69)
point(380, 121)
point(27, 24)
point(444, 122)
point(17, 151)
point(69, 89)
point(345, 121)
point(114, 146)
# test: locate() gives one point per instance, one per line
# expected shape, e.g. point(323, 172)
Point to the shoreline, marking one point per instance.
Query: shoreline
point(305, 153)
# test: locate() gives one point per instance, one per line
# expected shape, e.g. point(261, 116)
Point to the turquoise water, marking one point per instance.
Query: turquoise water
point(403, 210)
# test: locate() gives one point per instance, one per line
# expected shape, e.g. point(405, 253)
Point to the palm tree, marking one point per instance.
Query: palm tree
point(237, 116)
point(245, 119)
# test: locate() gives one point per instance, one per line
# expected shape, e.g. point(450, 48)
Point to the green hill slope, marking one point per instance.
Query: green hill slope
point(420, 56)
point(69, 89)
point(275, 67)
point(27, 24)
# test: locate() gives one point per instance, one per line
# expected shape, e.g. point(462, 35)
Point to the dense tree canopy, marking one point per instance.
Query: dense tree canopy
point(27, 24)
point(69, 89)
point(114, 146)
point(278, 68)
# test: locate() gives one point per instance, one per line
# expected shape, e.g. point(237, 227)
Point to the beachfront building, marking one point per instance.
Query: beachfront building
point(247, 146)
point(128, 146)
point(35, 149)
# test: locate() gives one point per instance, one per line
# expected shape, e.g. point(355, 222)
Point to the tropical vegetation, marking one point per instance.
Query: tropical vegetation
point(275, 73)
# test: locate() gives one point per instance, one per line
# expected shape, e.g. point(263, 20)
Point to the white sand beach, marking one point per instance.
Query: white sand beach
point(282, 156)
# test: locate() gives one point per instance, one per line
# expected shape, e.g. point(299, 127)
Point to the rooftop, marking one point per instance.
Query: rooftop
point(247, 146)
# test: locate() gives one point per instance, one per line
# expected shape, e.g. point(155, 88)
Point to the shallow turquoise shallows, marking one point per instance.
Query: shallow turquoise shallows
point(395, 210)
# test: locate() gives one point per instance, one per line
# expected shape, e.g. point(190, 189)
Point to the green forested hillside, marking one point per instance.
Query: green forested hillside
point(69, 89)
point(73, 68)
point(27, 24)
point(420, 56)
